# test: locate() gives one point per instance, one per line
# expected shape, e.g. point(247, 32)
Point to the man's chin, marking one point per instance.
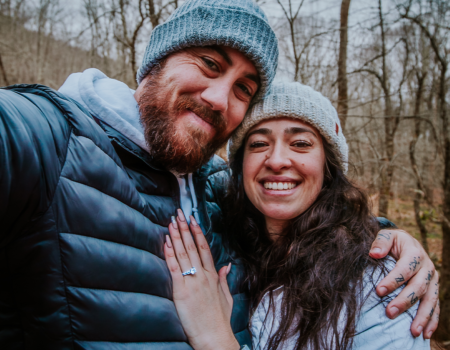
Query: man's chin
point(183, 155)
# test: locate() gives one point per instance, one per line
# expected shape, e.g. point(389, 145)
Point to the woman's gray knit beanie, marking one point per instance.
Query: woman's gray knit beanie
point(239, 24)
point(294, 100)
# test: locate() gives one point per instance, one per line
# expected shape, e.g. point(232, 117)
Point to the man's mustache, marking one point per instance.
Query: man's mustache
point(215, 118)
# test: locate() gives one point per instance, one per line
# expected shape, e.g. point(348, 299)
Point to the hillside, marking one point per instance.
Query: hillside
point(30, 58)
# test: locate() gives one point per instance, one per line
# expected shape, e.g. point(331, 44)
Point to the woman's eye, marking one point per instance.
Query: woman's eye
point(301, 144)
point(210, 64)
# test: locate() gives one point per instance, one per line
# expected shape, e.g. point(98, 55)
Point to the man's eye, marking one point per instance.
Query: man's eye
point(258, 144)
point(301, 144)
point(210, 64)
point(245, 89)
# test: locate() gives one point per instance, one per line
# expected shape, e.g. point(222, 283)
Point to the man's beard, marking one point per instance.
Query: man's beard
point(182, 151)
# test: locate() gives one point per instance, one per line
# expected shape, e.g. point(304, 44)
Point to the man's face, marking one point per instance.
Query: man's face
point(191, 106)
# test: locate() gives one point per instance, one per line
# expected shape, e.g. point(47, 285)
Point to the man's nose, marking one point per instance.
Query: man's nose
point(278, 159)
point(216, 95)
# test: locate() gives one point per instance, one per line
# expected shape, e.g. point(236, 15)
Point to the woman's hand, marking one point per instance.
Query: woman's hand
point(415, 267)
point(203, 300)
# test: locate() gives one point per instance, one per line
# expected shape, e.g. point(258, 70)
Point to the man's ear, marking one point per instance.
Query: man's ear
point(154, 71)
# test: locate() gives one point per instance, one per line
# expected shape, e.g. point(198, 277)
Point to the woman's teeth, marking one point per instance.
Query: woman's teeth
point(279, 185)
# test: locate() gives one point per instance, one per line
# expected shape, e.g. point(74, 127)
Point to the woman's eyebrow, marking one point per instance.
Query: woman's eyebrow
point(296, 130)
point(262, 131)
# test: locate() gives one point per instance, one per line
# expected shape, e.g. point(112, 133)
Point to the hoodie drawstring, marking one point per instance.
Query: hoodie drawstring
point(194, 199)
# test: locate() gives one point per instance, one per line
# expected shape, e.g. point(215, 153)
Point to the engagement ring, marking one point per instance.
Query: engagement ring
point(192, 271)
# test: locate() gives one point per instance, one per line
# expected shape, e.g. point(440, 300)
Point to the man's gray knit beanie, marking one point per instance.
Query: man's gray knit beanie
point(294, 100)
point(239, 24)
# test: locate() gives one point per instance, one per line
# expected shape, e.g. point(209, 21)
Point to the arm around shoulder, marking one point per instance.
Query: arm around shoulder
point(375, 331)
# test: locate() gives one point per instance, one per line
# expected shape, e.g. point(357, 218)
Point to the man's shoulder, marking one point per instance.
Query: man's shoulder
point(49, 118)
point(38, 105)
point(214, 166)
point(218, 174)
point(36, 111)
point(44, 98)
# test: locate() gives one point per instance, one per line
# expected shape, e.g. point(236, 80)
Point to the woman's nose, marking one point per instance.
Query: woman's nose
point(278, 159)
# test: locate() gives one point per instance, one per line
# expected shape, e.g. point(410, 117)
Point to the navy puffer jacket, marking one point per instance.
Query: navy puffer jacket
point(83, 215)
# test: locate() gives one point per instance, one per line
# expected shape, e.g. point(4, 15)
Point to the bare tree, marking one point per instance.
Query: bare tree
point(291, 16)
point(3, 71)
point(391, 118)
point(421, 72)
point(342, 107)
point(434, 26)
point(131, 20)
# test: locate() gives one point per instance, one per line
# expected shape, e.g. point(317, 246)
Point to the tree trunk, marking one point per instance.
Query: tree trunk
point(388, 170)
point(420, 224)
point(444, 323)
point(154, 18)
point(390, 125)
point(385, 190)
point(342, 107)
point(412, 158)
point(3, 71)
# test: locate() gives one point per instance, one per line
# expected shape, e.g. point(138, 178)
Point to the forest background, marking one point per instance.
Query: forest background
point(383, 64)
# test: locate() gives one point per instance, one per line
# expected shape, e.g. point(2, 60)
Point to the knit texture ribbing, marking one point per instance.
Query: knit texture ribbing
point(294, 100)
point(239, 24)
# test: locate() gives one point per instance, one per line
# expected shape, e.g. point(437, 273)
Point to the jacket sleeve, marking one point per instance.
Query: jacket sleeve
point(385, 223)
point(29, 164)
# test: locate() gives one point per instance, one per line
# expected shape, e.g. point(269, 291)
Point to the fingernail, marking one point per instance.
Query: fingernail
point(383, 291)
point(420, 329)
point(229, 268)
point(168, 242)
point(181, 215)
point(375, 250)
point(394, 311)
point(174, 222)
point(430, 333)
point(194, 223)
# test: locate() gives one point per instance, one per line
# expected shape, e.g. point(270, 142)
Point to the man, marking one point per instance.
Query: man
point(90, 176)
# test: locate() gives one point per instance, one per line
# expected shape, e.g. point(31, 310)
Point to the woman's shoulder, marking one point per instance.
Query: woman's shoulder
point(374, 330)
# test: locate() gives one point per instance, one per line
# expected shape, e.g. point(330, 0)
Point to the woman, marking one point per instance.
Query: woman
point(303, 232)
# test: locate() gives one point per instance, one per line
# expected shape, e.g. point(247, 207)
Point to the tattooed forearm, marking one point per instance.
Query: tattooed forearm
point(414, 298)
point(385, 235)
point(400, 279)
point(413, 264)
point(428, 279)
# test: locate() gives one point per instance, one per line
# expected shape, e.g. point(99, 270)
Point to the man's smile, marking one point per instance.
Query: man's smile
point(202, 122)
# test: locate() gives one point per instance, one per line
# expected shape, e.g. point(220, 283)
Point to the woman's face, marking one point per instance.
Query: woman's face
point(283, 167)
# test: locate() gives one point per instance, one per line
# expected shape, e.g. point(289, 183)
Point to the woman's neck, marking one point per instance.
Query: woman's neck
point(275, 227)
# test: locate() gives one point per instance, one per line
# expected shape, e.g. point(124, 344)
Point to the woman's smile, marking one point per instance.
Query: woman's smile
point(279, 185)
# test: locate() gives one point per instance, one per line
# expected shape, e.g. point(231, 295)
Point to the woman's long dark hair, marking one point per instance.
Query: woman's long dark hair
point(319, 259)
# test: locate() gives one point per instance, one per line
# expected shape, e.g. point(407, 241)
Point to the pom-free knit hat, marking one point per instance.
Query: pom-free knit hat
point(294, 100)
point(239, 24)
